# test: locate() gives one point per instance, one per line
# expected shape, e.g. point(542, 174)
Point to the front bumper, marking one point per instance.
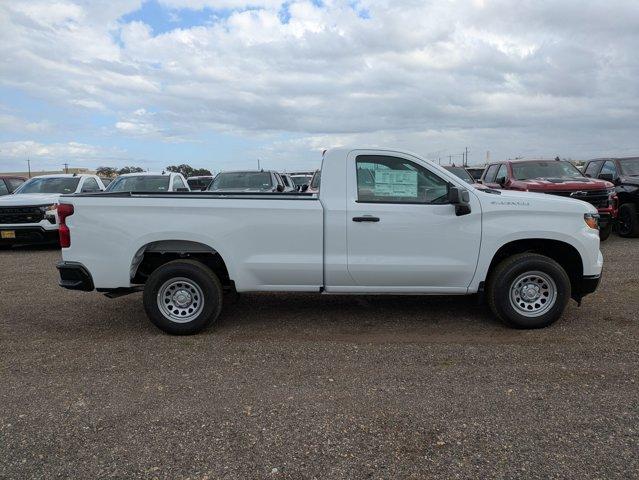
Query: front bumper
point(75, 276)
point(586, 286)
point(28, 235)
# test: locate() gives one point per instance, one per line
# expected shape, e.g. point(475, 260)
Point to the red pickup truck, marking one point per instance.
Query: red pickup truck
point(556, 177)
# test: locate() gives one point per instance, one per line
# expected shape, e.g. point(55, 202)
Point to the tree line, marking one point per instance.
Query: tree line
point(184, 169)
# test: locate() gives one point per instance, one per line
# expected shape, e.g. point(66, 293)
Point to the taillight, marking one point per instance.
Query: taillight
point(64, 210)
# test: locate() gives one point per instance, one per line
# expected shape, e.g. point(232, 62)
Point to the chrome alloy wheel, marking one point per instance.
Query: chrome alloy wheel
point(533, 293)
point(180, 300)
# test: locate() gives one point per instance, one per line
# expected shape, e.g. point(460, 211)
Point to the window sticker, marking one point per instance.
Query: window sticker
point(395, 183)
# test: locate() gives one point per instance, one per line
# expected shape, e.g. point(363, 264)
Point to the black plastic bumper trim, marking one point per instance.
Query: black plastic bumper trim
point(75, 276)
point(589, 284)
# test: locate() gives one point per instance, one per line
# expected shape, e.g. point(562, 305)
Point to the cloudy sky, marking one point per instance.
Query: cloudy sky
point(221, 83)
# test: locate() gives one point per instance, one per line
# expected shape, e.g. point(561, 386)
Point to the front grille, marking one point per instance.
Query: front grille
point(598, 198)
point(14, 215)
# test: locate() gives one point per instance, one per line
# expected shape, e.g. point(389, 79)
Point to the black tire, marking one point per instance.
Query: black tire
point(199, 276)
point(605, 232)
point(506, 273)
point(628, 221)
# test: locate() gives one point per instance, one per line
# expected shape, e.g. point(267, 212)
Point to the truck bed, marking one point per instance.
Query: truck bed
point(272, 244)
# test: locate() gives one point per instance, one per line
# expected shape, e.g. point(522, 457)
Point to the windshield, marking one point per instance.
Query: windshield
point(201, 182)
point(630, 166)
point(461, 173)
point(550, 169)
point(242, 181)
point(300, 180)
point(147, 183)
point(49, 185)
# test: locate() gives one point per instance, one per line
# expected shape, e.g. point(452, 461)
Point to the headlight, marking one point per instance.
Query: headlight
point(49, 212)
point(592, 220)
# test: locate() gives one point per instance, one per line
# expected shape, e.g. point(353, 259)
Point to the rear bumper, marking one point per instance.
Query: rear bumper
point(75, 276)
point(28, 235)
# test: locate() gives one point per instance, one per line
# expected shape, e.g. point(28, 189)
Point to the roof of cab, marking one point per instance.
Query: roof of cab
point(148, 174)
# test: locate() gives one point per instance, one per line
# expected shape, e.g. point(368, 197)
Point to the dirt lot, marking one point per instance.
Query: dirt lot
point(302, 386)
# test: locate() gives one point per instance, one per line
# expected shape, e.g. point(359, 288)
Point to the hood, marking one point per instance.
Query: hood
point(537, 201)
point(27, 199)
point(559, 184)
point(630, 180)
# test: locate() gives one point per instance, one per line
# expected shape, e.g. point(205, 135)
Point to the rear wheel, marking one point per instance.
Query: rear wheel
point(182, 297)
point(628, 221)
point(528, 291)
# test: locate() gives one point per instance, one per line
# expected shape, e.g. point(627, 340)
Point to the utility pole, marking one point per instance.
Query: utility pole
point(466, 157)
point(29, 166)
point(258, 164)
point(450, 159)
point(66, 168)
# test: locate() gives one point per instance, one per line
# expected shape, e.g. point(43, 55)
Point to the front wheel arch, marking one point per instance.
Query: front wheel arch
point(561, 252)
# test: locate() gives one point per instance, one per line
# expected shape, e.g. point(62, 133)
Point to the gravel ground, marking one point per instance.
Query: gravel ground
point(303, 386)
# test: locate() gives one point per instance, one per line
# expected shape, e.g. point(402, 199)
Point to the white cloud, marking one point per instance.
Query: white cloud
point(13, 123)
point(431, 74)
point(53, 155)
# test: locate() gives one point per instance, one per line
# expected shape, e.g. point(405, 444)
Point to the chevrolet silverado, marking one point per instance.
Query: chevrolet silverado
point(383, 222)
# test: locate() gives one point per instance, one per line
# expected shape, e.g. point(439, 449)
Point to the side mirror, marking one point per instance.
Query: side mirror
point(304, 187)
point(280, 188)
point(607, 177)
point(501, 181)
point(182, 189)
point(461, 199)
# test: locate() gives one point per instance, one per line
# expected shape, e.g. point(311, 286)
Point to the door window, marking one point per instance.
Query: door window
point(609, 167)
point(13, 183)
point(490, 174)
point(386, 179)
point(502, 174)
point(592, 169)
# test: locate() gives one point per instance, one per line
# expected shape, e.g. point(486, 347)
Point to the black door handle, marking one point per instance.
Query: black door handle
point(367, 218)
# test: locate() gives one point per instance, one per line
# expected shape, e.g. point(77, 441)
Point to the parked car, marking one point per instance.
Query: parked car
point(8, 184)
point(314, 185)
point(289, 184)
point(556, 177)
point(464, 174)
point(149, 182)
point(301, 178)
point(29, 214)
point(624, 174)
point(106, 181)
point(418, 229)
point(258, 181)
point(201, 182)
point(476, 172)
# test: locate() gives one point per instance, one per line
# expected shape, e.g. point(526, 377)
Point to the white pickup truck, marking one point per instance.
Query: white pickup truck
point(384, 222)
point(28, 216)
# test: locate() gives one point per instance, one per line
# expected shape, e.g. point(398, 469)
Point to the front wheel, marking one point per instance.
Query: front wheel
point(528, 291)
point(182, 297)
point(604, 232)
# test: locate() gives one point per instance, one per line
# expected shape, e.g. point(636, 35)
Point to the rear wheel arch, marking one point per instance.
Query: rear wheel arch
point(153, 255)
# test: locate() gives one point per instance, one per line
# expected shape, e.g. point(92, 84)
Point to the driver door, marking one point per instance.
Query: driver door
point(402, 232)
